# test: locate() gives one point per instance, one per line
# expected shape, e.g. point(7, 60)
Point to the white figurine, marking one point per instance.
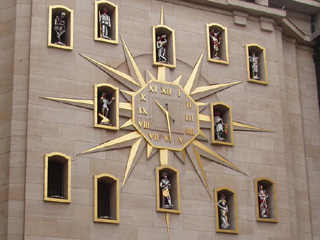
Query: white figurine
point(165, 187)
point(215, 42)
point(161, 46)
point(105, 22)
point(223, 209)
point(254, 62)
point(60, 27)
point(263, 206)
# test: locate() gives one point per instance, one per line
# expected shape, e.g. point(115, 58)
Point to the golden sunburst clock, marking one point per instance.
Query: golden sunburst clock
point(164, 115)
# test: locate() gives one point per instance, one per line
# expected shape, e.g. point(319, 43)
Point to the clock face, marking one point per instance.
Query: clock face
point(165, 115)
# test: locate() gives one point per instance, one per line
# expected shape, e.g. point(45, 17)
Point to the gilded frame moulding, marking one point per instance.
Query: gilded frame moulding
point(67, 194)
point(270, 188)
point(231, 198)
point(54, 10)
point(116, 200)
point(260, 52)
point(175, 188)
point(158, 31)
point(226, 112)
point(223, 48)
point(113, 10)
point(114, 107)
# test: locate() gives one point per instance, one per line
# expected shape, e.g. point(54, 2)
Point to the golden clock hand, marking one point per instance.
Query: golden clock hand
point(167, 117)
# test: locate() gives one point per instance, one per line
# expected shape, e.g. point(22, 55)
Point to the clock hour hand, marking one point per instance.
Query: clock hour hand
point(167, 117)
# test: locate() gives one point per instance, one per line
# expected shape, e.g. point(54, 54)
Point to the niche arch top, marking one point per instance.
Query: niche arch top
point(217, 43)
point(164, 50)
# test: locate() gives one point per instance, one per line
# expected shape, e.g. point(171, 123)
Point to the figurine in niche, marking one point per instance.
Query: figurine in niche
point(216, 40)
point(263, 206)
point(60, 27)
point(165, 187)
point(254, 62)
point(161, 46)
point(223, 210)
point(105, 23)
point(220, 127)
point(105, 107)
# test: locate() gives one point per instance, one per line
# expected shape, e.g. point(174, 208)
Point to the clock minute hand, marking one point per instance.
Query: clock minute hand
point(167, 117)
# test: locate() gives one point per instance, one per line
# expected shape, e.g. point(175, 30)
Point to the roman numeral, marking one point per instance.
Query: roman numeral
point(166, 91)
point(154, 136)
point(143, 111)
point(142, 97)
point(180, 139)
point(189, 118)
point(144, 124)
point(153, 89)
point(189, 105)
point(189, 131)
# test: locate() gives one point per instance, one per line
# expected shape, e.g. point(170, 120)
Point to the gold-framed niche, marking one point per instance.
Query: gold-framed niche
point(230, 198)
point(217, 34)
point(256, 53)
point(163, 34)
point(57, 177)
point(220, 110)
point(174, 191)
point(112, 12)
point(268, 188)
point(106, 199)
point(62, 13)
point(104, 93)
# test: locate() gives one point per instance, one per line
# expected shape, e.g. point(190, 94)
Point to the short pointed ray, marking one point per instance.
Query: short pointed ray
point(128, 125)
point(133, 68)
point(127, 94)
point(83, 103)
point(194, 75)
point(161, 16)
point(213, 156)
point(168, 224)
point(151, 76)
point(125, 109)
point(116, 74)
point(201, 106)
point(197, 164)
point(205, 121)
point(116, 143)
point(177, 81)
point(150, 151)
point(205, 91)
point(135, 153)
point(162, 74)
point(246, 127)
point(181, 155)
point(202, 136)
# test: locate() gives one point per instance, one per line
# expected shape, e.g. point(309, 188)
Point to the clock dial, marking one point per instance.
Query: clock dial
point(165, 115)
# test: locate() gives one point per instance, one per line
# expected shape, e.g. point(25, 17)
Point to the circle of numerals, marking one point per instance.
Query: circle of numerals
point(165, 115)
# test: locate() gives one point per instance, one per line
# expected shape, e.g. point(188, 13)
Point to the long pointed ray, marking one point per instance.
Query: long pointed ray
point(127, 94)
point(84, 103)
point(197, 164)
point(246, 127)
point(205, 91)
point(116, 74)
point(133, 68)
point(211, 155)
point(125, 109)
point(128, 125)
point(118, 141)
point(194, 75)
point(181, 155)
point(202, 136)
point(168, 224)
point(135, 153)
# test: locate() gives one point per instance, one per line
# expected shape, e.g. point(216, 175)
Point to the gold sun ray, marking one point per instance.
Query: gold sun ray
point(177, 81)
point(205, 91)
point(86, 103)
point(133, 68)
point(168, 223)
point(181, 155)
point(113, 143)
point(135, 153)
point(128, 95)
point(161, 73)
point(151, 76)
point(127, 125)
point(247, 127)
point(195, 73)
point(116, 74)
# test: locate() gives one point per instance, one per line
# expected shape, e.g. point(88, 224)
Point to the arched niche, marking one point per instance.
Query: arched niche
point(163, 199)
point(217, 43)
point(256, 64)
point(226, 211)
point(164, 52)
point(106, 106)
point(57, 177)
point(106, 22)
point(221, 124)
point(60, 27)
point(106, 199)
point(266, 200)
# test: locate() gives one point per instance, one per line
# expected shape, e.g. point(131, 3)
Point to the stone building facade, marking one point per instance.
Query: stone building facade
point(282, 109)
